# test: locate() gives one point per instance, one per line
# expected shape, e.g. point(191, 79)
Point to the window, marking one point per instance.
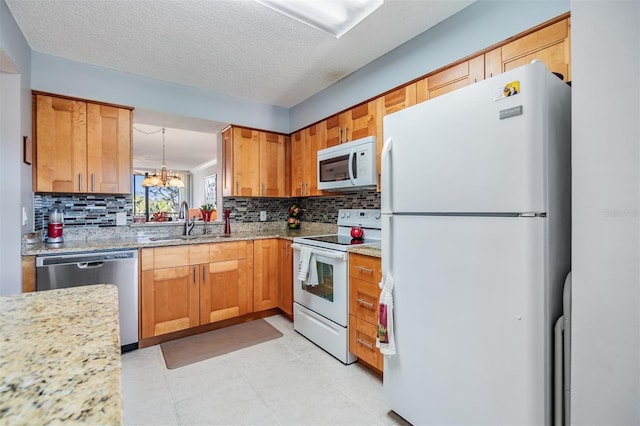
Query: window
point(157, 203)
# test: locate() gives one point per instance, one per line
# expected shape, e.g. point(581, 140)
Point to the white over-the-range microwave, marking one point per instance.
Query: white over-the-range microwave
point(350, 166)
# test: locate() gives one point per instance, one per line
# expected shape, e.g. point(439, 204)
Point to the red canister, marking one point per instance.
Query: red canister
point(54, 229)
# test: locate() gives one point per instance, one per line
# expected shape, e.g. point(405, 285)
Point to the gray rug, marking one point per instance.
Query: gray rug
point(185, 351)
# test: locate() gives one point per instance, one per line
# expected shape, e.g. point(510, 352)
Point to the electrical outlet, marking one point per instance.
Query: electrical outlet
point(24, 216)
point(263, 216)
point(121, 218)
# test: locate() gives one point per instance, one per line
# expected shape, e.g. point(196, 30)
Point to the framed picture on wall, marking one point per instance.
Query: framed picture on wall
point(210, 190)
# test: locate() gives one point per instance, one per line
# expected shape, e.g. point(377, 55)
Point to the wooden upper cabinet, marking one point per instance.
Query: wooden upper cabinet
point(109, 149)
point(356, 123)
point(81, 147)
point(361, 121)
point(450, 79)
point(304, 169)
point(334, 131)
point(246, 162)
point(298, 163)
point(254, 163)
point(272, 165)
point(315, 138)
point(228, 183)
point(60, 145)
point(551, 45)
point(399, 99)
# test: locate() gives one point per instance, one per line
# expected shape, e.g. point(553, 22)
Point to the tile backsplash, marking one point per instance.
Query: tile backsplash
point(92, 211)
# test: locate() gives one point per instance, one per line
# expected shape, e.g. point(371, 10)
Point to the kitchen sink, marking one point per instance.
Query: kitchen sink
point(180, 237)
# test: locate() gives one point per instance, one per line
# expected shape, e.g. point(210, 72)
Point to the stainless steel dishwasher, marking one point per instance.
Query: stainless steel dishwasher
point(98, 267)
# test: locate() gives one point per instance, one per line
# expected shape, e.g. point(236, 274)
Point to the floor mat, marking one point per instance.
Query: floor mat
point(185, 351)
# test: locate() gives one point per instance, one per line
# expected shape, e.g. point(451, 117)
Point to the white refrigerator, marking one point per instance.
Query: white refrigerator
point(476, 196)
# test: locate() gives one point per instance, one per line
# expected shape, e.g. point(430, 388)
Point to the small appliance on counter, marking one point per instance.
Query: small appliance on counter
point(54, 230)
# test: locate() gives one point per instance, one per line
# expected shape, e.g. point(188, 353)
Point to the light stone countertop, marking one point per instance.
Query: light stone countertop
point(60, 357)
point(372, 250)
point(168, 236)
point(132, 240)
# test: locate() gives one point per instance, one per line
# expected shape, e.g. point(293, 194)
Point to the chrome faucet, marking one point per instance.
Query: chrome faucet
point(184, 214)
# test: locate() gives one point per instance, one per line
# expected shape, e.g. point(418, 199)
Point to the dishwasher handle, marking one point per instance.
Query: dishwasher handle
point(90, 265)
point(85, 257)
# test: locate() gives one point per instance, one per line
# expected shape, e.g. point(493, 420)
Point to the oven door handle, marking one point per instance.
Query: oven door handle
point(326, 253)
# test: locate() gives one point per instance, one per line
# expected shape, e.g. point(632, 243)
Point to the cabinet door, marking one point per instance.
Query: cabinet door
point(108, 149)
point(362, 342)
point(333, 131)
point(316, 140)
point(298, 163)
point(226, 291)
point(399, 99)
point(265, 274)
point(60, 154)
point(170, 300)
point(272, 165)
point(285, 289)
point(450, 79)
point(361, 121)
point(551, 45)
point(228, 181)
point(246, 162)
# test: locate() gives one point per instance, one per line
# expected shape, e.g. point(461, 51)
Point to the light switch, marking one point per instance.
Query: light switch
point(24, 216)
point(263, 216)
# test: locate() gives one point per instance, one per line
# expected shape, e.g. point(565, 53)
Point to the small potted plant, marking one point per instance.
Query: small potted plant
point(207, 210)
point(294, 217)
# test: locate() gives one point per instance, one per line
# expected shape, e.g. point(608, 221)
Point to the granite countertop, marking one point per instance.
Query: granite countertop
point(150, 241)
point(372, 250)
point(60, 357)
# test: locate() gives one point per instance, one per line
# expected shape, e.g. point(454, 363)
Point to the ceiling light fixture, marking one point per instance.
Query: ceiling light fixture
point(335, 17)
point(163, 177)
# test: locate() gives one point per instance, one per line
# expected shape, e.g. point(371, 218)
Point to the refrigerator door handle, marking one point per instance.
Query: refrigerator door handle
point(385, 193)
point(386, 245)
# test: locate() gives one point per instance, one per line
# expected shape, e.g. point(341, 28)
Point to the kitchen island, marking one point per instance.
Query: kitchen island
point(60, 357)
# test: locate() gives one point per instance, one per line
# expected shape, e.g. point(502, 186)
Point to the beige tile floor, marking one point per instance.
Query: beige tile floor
point(286, 381)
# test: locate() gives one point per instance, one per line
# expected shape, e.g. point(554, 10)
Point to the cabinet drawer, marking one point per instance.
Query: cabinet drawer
point(363, 300)
point(366, 268)
point(362, 342)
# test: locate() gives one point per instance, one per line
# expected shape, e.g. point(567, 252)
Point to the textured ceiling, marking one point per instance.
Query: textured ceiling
point(237, 48)
point(233, 47)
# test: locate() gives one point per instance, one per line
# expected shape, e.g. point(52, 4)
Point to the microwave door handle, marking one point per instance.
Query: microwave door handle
point(352, 156)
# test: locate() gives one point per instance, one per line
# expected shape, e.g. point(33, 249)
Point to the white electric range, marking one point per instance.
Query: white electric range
point(321, 312)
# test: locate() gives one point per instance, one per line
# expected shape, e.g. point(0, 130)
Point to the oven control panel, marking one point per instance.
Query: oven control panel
point(364, 218)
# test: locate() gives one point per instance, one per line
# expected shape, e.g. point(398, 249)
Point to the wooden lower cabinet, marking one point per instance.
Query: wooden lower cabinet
point(365, 273)
point(186, 286)
point(265, 274)
point(285, 289)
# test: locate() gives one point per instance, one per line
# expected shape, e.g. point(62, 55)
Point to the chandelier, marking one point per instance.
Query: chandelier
point(162, 177)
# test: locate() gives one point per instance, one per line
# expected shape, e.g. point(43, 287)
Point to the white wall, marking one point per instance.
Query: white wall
point(198, 183)
point(15, 176)
point(606, 187)
point(476, 27)
point(62, 76)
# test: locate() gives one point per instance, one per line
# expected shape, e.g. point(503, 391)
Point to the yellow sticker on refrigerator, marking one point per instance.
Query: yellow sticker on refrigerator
point(510, 89)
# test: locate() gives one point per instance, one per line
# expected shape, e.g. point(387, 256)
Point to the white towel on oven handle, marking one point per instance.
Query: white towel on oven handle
point(307, 270)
